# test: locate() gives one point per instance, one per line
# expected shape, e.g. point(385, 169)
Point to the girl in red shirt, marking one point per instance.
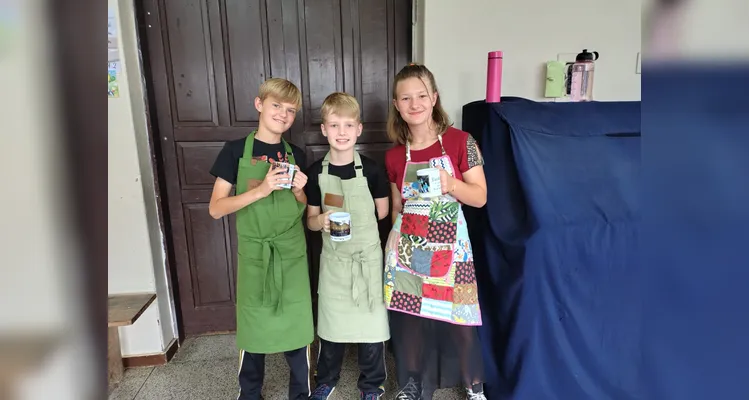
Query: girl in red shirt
point(430, 281)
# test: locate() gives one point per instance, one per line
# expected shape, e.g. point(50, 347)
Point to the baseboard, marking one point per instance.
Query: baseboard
point(152, 360)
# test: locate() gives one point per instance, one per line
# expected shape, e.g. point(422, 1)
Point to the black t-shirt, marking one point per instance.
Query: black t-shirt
point(226, 165)
point(376, 176)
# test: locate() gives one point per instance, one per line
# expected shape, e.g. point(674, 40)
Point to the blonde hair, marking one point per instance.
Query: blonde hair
point(397, 128)
point(341, 104)
point(281, 90)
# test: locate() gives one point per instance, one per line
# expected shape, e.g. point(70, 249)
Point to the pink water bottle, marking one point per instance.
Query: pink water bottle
point(494, 77)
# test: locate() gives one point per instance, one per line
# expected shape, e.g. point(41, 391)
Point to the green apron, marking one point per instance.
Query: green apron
point(351, 308)
point(274, 303)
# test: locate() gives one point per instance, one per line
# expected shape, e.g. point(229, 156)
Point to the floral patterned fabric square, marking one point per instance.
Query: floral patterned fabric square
point(413, 224)
point(410, 190)
point(440, 262)
point(388, 294)
point(442, 232)
point(466, 294)
point(467, 313)
point(463, 252)
point(436, 292)
point(463, 229)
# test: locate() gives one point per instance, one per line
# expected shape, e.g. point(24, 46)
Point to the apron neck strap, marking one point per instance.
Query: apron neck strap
point(289, 152)
point(408, 148)
point(358, 165)
point(250, 142)
point(325, 163)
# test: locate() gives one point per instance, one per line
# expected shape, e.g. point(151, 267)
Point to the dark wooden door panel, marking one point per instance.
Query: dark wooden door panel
point(195, 161)
point(210, 258)
point(323, 53)
point(374, 24)
point(248, 55)
point(191, 62)
point(207, 59)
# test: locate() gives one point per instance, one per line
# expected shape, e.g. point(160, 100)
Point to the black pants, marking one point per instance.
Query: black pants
point(372, 371)
point(252, 372)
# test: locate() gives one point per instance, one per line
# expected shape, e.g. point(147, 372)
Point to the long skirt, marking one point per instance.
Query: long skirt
point(437, 354)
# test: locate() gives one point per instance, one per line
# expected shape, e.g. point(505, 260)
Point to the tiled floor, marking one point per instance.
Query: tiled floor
point(205, 368)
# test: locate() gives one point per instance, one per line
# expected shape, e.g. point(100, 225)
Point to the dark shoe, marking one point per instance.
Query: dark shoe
point(412, 391)
point(370, 396)
point(321, 392)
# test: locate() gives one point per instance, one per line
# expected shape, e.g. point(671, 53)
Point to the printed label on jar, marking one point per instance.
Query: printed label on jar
point(429, 182)
point(340, 226)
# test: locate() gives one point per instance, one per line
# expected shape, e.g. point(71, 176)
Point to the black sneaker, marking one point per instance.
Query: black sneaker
point(369, 396)
point(412, 391)
point(321, 392)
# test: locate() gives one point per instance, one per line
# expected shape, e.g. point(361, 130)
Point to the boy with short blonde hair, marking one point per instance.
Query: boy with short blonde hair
point(351, 306)
point(274, 305)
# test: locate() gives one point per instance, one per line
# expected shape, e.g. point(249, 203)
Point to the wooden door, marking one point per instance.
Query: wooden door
point(205, 61)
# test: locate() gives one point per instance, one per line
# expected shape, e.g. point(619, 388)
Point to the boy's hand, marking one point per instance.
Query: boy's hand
point(324, 221)
point(273, 178)
point(300, 179)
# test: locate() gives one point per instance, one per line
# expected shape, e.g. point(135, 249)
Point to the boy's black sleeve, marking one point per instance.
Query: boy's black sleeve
point(300, 157)
point(227, 163)
point(312, 189)
point(381, 187)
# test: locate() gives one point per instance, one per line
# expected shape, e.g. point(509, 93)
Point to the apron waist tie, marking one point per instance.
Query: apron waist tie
point(273, 277)
point(357, 273)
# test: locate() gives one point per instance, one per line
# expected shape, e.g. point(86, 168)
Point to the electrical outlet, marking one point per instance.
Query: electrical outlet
point(638, 69)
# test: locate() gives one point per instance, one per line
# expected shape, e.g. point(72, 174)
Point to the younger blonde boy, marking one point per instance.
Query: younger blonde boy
point(351, 306)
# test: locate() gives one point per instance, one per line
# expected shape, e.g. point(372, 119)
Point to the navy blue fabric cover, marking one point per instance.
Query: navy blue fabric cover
point(557, 252)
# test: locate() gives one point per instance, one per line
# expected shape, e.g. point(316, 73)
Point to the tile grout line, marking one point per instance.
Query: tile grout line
point(144, 383)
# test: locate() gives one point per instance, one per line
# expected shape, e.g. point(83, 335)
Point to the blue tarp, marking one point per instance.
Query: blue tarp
point(558, 254)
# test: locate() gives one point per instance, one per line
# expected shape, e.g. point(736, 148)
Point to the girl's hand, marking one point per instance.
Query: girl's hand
point(446, 181)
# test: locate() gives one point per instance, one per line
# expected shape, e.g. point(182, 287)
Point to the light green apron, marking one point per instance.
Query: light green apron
point(274, 304)
point(351, 308)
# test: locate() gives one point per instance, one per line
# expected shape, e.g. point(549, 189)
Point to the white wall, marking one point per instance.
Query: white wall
point(459, 34)
point(136, 250)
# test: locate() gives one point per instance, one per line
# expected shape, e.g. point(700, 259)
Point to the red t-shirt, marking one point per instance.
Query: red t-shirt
point(459, 145)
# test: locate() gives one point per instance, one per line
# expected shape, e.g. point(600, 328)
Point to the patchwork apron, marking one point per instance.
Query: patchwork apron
point(274, 303)
point(350, 306)
point(429, 269)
